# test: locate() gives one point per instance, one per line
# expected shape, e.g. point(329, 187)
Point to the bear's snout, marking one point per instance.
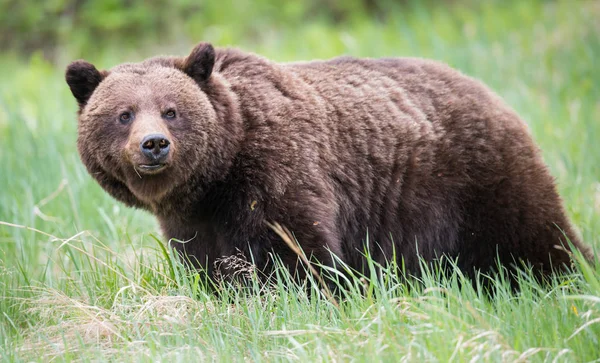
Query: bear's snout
point(155, 148)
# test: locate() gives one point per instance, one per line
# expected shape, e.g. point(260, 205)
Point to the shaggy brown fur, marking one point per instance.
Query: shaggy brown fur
point(394, 155)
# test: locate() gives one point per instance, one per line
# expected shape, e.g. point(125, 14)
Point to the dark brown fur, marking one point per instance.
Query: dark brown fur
point(409, 152)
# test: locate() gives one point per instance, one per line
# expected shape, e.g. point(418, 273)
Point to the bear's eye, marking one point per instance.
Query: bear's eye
point(125, 117)
point(170, 114)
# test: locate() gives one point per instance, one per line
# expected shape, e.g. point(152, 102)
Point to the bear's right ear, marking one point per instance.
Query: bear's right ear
point(199, 64)
point(83, 78)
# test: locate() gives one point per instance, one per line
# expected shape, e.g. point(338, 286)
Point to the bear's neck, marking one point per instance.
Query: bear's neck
point(202, 187)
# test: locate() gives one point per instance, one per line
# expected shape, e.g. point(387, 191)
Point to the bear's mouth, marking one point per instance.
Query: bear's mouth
point(151, 168)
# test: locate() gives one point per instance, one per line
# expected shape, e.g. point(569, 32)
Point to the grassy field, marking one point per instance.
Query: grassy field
point(84, 278)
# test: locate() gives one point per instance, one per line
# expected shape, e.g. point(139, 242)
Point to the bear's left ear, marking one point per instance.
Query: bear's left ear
point(83, 78)
point(199, 64)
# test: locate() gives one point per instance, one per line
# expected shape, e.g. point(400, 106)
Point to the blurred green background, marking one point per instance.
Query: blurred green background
point(90, 26)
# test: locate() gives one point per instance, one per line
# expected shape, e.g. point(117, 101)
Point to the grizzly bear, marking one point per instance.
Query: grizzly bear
point(397, 156)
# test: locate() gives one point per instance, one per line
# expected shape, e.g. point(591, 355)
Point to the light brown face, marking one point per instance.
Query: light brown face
point(148, 126)
point(147, 129)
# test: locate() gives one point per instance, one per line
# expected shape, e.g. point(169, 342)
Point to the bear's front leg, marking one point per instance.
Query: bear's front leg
point(312, 227)
point(198, 243)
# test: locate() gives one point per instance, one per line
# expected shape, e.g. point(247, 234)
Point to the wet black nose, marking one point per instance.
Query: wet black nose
point(155, 147)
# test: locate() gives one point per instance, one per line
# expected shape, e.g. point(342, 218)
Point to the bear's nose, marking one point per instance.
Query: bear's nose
point(155, 147)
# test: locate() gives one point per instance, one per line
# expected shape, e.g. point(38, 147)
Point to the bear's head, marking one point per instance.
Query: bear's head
point(147, 128)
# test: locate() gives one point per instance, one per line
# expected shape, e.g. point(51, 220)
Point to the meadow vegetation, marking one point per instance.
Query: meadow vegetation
point(84, 278)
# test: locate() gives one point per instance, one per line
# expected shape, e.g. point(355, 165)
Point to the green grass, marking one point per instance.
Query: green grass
point(92, 283)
